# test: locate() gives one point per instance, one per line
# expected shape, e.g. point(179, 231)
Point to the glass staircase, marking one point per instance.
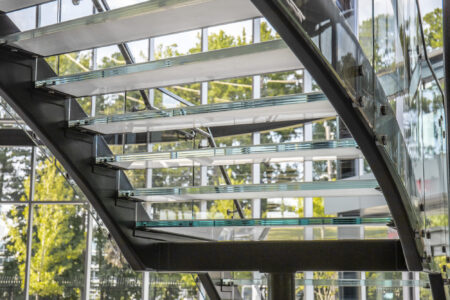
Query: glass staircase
point(280, 182)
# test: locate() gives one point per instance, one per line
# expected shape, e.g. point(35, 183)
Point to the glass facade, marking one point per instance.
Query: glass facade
point(53, 245)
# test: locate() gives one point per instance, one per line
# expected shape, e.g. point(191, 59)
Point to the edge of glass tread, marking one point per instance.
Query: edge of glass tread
point(264, 57)
point(366, 187)
point(233, 155)
point(201, 109)
point(263, 222)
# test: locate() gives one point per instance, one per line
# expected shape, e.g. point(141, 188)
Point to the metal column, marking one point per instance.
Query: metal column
point(308, 209)
point(30, 224)
point(204, 100)
point(256, 139)
point(281, 286)
point(145, 289)
point(88, 257)
point(256, 90)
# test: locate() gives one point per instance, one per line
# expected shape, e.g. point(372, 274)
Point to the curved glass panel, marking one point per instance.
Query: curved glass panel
point(376, 50)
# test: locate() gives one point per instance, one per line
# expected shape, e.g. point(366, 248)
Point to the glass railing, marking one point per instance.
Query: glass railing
point(362, 42)
point(387, 283)
point(334, 285)
point(293, 107)
point(269, 153)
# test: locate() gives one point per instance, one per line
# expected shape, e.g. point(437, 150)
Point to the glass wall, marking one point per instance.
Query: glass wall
point(54, 247)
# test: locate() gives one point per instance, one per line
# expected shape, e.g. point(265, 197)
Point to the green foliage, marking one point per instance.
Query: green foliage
point(58, 236)
point(434, 28)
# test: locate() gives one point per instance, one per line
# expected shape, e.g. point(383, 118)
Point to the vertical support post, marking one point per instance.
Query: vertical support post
point(90, 221)
point(407, 295)
point(446, 33)
point(30, 223)
point(308, 209)
point(151, 57)
point(281, 286)
point(416, 276)
point(145, 288)
point(204, 143)
point(437, 286)
point(363, 289)
point(88, 256)
point(256, 139)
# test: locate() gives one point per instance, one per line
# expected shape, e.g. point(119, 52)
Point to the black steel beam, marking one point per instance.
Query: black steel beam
point(280, 256)
point(209, 286)
point(15, 137)
point(437, 286)
point(281, 286)
point(342, 101)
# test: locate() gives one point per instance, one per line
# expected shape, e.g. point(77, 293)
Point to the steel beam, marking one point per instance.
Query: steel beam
point(281, 286)
point(15, 137)
point(276, 257)
point(342, 101)
point(437, 286)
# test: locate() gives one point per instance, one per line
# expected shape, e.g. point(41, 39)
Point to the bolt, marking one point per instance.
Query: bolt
point(383, 140)
point(421, 207)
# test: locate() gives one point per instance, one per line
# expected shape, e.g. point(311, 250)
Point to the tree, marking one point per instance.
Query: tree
point(434, 28)
point(58, 237)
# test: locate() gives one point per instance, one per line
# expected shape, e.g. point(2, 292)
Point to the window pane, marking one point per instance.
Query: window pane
point(71, 9)
point(52, 182)
point(14, 173)
point(111, 276)
point(24, 19)
point(13, 233)
point(48, 14)
point(58, 248)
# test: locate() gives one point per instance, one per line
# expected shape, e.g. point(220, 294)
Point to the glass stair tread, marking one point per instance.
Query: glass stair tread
point(266, 229)
point(345, 221)
point(273, 109)
point(268, 153)
point(11, 5)
point(266, 57)
point(139, 21)
point(335, 189)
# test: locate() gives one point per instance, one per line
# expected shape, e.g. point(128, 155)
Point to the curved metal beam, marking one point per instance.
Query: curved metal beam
point(342, 101)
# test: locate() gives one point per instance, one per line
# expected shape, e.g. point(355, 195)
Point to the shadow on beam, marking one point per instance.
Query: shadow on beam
point(280, 256)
